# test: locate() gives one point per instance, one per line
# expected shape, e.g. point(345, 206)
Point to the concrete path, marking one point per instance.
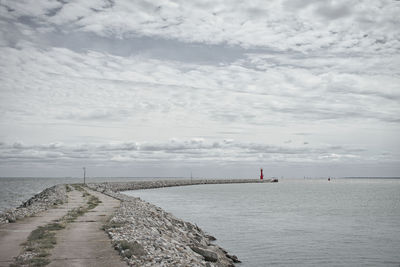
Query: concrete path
point(13, 234)
point(83, 243)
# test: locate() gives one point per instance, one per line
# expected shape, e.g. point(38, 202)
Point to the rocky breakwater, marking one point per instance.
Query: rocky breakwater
point(47, 198)
point(137, 185)
point(146, 235)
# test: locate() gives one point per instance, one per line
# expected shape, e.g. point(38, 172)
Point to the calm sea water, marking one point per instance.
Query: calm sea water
point(345, 222)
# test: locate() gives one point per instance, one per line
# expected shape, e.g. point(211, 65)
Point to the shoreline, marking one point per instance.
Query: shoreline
point(142, 233)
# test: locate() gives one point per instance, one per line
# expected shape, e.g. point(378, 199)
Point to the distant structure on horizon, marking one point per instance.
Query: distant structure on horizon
point(261, 175)
point(84, 175)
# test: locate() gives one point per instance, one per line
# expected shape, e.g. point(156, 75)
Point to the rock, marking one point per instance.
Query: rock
point(11, 217)
point(211, 238)
point(207, 254)
point(137, 249)
point(234, 258)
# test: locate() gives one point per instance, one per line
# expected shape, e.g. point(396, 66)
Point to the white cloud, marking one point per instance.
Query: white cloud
point(95, 86)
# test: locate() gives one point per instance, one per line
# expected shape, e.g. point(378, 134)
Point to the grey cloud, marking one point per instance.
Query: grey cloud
point(271, 27)
point(151, 47)
point(298, 4)
point(162, 151)
point(334, 11)
point(93, 115)
point(131, 45)
point(347, 149)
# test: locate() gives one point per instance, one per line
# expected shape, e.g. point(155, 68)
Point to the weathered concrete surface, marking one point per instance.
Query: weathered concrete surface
point(13, 234)
point(83, 242)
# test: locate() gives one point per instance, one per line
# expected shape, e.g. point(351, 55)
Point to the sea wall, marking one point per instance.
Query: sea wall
point(137, 185)
point(46, 199)
point(146, 235)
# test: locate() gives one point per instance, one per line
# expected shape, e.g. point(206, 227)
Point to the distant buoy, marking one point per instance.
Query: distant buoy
point(329, 178)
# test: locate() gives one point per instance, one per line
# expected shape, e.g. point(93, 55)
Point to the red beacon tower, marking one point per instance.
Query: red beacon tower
point(261, 175)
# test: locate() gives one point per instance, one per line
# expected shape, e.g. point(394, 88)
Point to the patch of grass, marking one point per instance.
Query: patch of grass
point(93, 202)
point(78, 187)
point(128, 254)
point(128, 249)
point(68, 188)
point(39, 242)
point(54, 226)
point(44, 235)
point(34, 262)
point(124, 244)
point(73, 214)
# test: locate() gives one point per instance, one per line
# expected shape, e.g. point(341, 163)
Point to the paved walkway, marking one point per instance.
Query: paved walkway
point(83, 243)
point(13, 234)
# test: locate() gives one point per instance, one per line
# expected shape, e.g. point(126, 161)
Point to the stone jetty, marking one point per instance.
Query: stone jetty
point(46, 199)
point(138, 185)
point(143, 234)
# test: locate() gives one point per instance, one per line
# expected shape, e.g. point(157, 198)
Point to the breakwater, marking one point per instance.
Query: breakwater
point(138, 185)
point(146, 235)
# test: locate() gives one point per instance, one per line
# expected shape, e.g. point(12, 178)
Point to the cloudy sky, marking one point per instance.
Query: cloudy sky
point(218, 88)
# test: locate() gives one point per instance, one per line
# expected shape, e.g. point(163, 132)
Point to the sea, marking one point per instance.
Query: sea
point(295, 222)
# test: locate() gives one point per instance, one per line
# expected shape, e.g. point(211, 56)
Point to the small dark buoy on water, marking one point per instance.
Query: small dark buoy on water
point(329, 178)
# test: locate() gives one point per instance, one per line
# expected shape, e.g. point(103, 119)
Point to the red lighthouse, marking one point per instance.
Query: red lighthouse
point(261, 175)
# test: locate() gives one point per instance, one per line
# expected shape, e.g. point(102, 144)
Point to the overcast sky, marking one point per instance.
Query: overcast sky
point(218, 88)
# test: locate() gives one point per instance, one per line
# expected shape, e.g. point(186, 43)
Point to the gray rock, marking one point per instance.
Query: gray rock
point(137, 249)
point(210, 237)
point(234, 258)
point(207, 254)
